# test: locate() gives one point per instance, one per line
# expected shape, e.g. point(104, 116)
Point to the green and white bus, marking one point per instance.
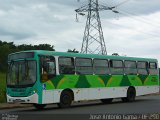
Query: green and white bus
point(46, 77)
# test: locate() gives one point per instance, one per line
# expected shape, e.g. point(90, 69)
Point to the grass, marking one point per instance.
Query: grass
point(2, 87)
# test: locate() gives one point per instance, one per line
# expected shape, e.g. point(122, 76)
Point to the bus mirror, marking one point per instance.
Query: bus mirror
point(44, 77)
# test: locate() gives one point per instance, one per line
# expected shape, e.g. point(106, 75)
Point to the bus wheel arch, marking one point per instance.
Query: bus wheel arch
point(131, 95)
point(66, 98)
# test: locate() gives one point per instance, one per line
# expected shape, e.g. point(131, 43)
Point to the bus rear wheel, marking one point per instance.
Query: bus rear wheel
point(65, 99)
point(107, 101)
point(39, 106)
point(131, 95)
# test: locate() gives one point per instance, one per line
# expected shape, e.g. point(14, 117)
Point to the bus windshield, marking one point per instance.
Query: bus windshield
point(21, 73)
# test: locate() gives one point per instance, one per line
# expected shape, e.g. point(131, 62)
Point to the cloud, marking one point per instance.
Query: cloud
point(53, 22)
point(15, 35)
point(133, 37)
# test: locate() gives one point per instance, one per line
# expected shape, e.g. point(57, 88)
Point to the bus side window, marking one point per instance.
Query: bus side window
point(84, 66)
point(153, 70)
point(130, 67)
point(100, 66)
point(47, 67)
point(66, 65)
point(116, 67)
point(142, 67)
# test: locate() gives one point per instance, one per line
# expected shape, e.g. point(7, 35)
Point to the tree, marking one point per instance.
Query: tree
point(73, 51)
point(4, 51)
point(115, 54)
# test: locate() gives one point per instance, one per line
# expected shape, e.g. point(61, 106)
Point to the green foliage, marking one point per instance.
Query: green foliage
point(24, 47)
point(5, 49)
point(73, 51)
point(115, 54)
point(2, 87)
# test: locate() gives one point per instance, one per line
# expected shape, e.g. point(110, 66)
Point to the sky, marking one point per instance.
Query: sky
point(135, 31)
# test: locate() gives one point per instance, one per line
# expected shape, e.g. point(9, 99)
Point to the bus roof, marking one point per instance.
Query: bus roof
point(70, 54)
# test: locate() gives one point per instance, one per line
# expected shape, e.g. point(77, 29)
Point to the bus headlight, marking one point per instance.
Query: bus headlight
point(34, 91)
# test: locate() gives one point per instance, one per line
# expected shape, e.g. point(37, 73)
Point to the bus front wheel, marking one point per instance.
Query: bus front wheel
point(65, 99)
point(39, 106)
point(131, 95)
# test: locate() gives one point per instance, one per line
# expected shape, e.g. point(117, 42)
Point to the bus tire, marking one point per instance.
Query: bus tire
point(107, 101)
point(39, 106)
point(65, 99)
point(131, 95)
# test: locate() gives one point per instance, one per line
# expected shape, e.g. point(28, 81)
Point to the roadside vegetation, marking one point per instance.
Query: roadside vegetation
point(2, 87)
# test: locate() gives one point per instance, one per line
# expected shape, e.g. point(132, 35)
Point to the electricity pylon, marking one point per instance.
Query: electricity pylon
point(93, 40)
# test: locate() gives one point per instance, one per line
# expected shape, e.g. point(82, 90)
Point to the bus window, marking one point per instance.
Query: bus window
point(22, 73)
point(47, 67)
point(142, 68)
point(66, 65)
point(130, 67)
point(84, 66)
point(100, 66)
point(116, 67)
point(153, 68)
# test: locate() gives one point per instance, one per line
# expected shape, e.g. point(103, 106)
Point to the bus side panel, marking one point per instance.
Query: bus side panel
point(87, 87)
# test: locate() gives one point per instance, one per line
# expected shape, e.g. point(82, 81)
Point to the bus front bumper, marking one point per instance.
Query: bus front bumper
point(30, 99)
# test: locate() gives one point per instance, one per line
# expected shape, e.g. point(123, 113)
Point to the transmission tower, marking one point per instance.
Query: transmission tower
point(93, 40)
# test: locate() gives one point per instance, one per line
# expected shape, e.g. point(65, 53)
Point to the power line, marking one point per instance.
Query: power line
point(135, 30)
point(93, 40)
point(155, 35)
point(93, 31)
point(139, 18)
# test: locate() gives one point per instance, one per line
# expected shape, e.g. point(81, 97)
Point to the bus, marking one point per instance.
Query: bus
point(41, 77)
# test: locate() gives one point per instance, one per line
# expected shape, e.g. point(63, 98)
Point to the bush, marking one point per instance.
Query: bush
point(2, 96)
point(2, 87)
